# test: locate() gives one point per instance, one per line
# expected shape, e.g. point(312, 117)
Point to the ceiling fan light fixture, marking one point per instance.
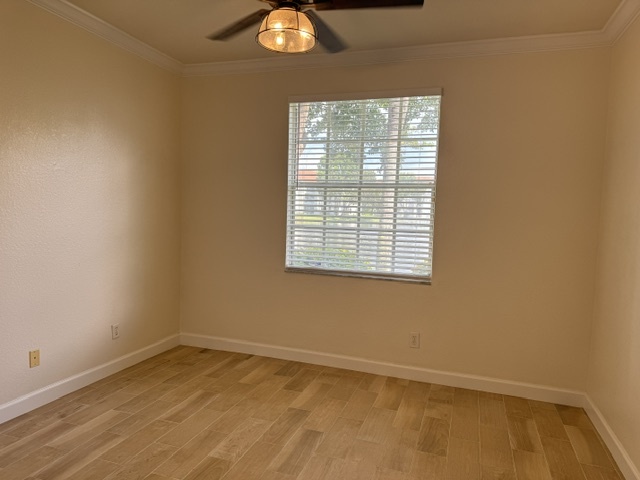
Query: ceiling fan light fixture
point(287, 30)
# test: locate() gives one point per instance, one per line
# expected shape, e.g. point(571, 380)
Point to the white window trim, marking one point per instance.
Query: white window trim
point(425, 280)
point(334, 97)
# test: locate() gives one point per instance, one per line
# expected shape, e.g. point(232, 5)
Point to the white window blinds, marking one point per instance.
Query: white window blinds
point(361, 186)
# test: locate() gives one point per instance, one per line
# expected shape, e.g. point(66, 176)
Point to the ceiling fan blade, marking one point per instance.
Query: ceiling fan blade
point(239, 26)
point(326, 37)
point(347, 4)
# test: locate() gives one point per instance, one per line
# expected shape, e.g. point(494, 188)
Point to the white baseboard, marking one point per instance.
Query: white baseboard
point(527, 390)
point(620, 455)
point(488, 384)
point(544, 393)
point(47, 394)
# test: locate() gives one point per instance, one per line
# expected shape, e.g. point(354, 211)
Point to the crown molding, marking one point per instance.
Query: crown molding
point(622, 18)
point(502, 46)
point(615, 27)
point(102, 29)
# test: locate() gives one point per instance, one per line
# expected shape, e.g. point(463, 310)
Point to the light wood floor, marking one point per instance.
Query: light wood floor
point(206, 415)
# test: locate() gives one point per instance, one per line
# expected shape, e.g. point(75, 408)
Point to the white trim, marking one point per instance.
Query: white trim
point(51, 392)
point(47, 394)
point(360, 95)
point(520, 389)
point(620, 455)
point(527, 390)
point(502, 46)
point(95, 25)
point(622, 18)
point(624, 15)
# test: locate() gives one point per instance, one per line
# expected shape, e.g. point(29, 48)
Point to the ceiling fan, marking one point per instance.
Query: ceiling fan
point(292, 26)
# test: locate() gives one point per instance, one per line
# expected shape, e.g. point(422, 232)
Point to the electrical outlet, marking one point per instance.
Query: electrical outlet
point(414, 340)
point(115, 331)
point(34, 358)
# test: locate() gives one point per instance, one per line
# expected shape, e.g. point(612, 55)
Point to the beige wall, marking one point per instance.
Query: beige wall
point(90, 219)
point(516, 220)
point(89, 200)
point(614, 367)
point(90, 227)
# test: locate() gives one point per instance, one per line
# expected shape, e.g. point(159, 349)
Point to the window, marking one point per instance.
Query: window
point(361, 186)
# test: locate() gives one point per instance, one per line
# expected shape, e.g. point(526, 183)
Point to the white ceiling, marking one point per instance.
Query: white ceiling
point(178, 28)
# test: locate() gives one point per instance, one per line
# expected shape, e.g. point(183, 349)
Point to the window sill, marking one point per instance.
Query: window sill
point(374, 276)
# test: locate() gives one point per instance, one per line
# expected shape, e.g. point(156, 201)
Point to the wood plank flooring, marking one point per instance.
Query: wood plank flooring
point(199, 414)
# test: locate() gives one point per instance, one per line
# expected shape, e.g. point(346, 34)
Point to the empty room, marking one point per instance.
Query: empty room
point(319, 239)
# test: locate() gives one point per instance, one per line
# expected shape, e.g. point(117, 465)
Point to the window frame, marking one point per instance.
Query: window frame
point(391, 94)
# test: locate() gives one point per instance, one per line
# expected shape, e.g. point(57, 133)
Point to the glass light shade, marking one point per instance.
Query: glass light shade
point(287, 30)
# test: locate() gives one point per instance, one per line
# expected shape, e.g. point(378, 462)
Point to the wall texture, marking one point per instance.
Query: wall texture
point(90, 216)
point(89, 200)
point(614, 367)
point(516, 219)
